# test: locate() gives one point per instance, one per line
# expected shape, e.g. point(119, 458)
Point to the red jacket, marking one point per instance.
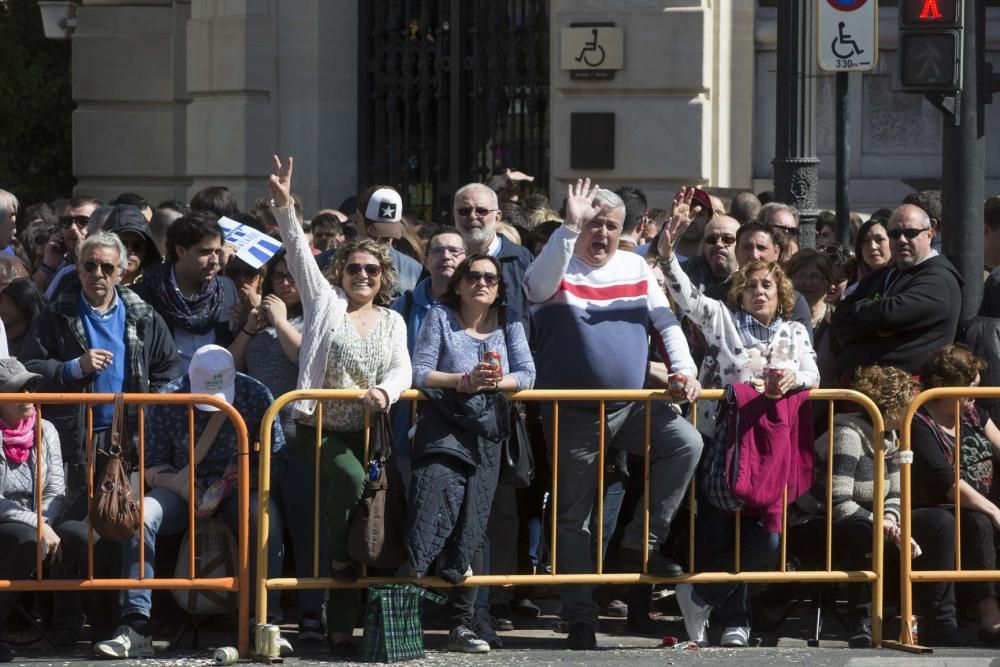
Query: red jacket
point(775, 448)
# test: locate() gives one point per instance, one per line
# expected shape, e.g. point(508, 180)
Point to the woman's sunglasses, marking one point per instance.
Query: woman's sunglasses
point(373, 270)
point(473, 277)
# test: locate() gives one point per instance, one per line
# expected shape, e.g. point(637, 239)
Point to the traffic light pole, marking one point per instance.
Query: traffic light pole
point(962, 165)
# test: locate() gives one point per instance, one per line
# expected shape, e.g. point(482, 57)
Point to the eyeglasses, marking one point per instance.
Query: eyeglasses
point(727, 239)
point(791, 231)
point(910, 234)
point(838, 252)
point(281, 277)
point(482, 212)
point(107, 268)
point(41, 239)
point(446, 250)
point(79, 220)
point(473, 278)
point(373, 270)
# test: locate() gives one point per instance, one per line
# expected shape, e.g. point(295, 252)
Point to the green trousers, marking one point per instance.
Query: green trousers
point(343, 475)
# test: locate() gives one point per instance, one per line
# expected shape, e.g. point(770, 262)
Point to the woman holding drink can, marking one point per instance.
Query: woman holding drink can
point(749, 339)
point(468, 349)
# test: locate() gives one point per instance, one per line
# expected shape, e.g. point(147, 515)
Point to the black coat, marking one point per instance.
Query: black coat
point(898, 318)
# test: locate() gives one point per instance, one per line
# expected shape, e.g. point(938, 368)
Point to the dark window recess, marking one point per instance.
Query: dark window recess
point(591, 141)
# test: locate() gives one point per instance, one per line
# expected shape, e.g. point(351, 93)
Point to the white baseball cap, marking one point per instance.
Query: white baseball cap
point(213, 372)
point(384, 211)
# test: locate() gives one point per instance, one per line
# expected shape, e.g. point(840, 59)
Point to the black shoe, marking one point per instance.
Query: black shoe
point(615, 609)
point(643, 626)
point(939, 635)
point(6, 653)
point(659, 565)
point(526, 607)
point(861, 633)
point(345, 648)
point(486, 626)
point(502, 614)
point(989, 638)
point(581, 637)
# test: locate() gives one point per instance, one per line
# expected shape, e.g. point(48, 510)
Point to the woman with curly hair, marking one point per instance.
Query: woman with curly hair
point(350, 340)
point(744, 337)
point(934, 486)
point(853, 486)
point(748, 333)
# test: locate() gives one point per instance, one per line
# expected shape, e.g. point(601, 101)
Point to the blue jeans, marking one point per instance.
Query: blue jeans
point(715, 534)
point(675, 447)
point(166, 513)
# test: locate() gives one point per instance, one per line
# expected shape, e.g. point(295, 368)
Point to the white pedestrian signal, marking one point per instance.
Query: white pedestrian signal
point(930, 46)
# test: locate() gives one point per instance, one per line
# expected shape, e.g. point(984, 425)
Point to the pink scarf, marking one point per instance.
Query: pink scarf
point(18, 440)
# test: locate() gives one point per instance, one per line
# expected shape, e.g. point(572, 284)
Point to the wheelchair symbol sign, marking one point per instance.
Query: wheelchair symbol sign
point(847, 35)
point(593, 50)
point(592, 54)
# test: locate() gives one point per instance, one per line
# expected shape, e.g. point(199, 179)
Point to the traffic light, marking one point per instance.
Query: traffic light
point(930, 45)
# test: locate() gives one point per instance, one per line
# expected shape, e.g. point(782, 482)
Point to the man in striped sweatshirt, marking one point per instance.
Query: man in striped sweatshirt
point(593, 309)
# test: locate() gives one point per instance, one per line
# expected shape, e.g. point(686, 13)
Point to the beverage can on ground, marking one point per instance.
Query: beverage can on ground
point(227, 655)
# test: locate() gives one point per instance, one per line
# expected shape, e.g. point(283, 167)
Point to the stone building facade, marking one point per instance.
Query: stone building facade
point(174, 95)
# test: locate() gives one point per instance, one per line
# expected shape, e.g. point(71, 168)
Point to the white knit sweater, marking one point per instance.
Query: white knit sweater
point(324, 307)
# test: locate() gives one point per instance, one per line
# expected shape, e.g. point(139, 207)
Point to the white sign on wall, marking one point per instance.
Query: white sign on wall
point(847, 35)
point(592, 51)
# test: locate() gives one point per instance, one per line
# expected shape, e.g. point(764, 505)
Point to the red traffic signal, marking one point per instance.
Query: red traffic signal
point(930, 13)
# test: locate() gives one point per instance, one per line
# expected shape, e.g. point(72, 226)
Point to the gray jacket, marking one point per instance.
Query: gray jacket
point(53, 481)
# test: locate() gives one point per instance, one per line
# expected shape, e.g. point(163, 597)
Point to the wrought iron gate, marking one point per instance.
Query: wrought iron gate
point(450, 91)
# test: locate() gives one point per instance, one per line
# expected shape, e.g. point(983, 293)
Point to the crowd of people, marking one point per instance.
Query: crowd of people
point(604, 293)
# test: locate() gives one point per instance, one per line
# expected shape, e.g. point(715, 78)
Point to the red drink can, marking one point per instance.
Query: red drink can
point(772, 382)
point(677, 386)
point(492, 358)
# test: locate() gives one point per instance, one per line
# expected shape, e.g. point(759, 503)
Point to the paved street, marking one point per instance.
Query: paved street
point(539, 644)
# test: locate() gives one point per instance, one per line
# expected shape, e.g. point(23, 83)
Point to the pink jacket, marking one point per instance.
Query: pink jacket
point(775, 448)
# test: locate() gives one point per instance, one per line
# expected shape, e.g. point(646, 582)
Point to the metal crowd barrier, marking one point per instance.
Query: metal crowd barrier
point(239, 584)
point(781, 575)
point(908, 576)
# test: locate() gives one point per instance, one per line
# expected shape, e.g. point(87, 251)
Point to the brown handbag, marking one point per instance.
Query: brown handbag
point(376, 535)
point(114, 512)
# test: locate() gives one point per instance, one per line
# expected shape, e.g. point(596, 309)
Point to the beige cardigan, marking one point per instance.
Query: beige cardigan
point(324, 306)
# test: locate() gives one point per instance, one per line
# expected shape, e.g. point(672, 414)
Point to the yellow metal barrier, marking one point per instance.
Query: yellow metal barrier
point(906, 573)
point(239, 584)
point(873, 576)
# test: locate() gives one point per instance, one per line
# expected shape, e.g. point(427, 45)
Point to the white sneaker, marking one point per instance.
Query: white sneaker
point(466, 641)
point(736, 637)
point(695, 614)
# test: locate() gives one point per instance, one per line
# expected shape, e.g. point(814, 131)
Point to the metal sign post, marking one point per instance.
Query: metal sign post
point(847, 41)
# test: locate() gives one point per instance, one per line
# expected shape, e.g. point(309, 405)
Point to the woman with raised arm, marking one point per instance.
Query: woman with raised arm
point(748, 338)
point(350, 340)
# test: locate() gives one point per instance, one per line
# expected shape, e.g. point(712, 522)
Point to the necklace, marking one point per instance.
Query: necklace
point(361, 317)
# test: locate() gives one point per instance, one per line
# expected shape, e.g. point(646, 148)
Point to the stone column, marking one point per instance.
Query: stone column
point(129, 125)
point(796, 168)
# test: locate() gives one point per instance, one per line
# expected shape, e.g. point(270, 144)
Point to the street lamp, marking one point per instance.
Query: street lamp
point(58, 18)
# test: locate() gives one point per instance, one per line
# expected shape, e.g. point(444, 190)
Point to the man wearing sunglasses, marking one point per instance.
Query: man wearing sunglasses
point(97, 337)
point(61, 252)
point(593, 308)
point(717, 259)
point(379, 217)
point(900, 314)
point(476, 211)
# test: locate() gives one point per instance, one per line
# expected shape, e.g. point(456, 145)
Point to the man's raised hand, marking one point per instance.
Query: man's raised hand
point(280, 183)
point(580, 204)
